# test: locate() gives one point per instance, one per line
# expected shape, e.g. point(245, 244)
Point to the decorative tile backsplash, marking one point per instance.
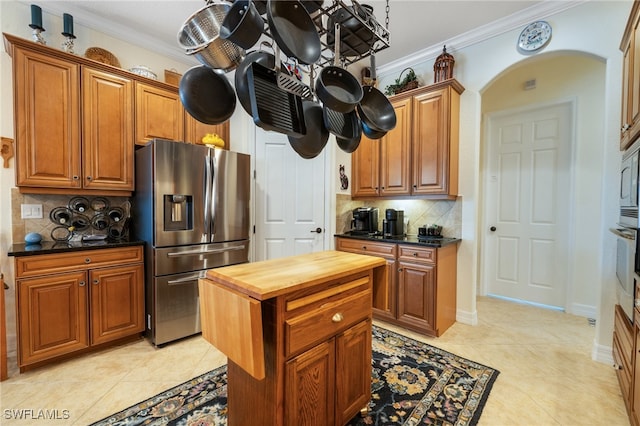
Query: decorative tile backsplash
point(445, 213)
point(45, 226)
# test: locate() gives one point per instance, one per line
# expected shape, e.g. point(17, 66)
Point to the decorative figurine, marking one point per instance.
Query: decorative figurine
point(344, 180)
point(67, 44)
point(36, 24)
point(443, 67)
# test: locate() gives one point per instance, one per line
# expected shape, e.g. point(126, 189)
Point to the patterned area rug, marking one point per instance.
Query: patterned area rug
point(412, 384)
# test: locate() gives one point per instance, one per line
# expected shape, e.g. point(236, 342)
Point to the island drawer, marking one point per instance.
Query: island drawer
point(413, 253)
point(305, 330)
point(366, 247)
point(30, 266)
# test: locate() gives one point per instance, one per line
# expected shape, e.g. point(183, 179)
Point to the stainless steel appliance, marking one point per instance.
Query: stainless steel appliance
point(191, 207)
point(393, 224)
point(626, 266)
point(365, 220)
point(629, 187)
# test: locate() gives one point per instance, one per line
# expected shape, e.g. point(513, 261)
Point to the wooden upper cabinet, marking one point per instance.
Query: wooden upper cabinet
point(47, 120)
point(195, 130)
point(159, 114)
point(630, 46)
point(366, 168)
point(419, 157)
point(107, 131)
point(395, 150)
point(73, 120)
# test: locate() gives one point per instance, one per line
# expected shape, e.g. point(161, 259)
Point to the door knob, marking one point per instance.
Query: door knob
point(492, 229)
point(317, 231)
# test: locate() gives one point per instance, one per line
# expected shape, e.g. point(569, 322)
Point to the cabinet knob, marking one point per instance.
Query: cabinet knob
point(87, 260)
point(382, 187)
point(75, 177)
point(415, 254)
point(96, 282)
point(617, 366)
point(88, 177)
point(364, 247)
point(81, 283)
point(415, 186)
point(337, 317)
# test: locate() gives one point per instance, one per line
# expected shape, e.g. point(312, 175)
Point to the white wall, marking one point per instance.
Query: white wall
point(476, 67)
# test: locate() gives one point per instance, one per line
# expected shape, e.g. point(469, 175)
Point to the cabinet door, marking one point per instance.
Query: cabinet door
point(47, 120)
point(417, 296)
point(195, 130)
point(625, 118)
point(431, 142)
point(365, 166)
point(117, 302)
point(310, 387)
point(353, 367)
point(635, 392)
point(52, 316)
point(384, 298)
point(107, 105)
point(159, 114)
point(634, 83)
point(395, 147)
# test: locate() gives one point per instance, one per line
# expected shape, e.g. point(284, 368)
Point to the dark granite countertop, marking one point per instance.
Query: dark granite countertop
point(48, 247)
point(408, 239)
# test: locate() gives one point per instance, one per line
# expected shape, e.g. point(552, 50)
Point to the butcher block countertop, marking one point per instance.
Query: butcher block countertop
point(271, 278)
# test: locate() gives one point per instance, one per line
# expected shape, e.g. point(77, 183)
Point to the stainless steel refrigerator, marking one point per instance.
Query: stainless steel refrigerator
point(191, 207)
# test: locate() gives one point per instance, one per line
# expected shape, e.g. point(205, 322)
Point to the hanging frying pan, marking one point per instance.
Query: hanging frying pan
point(207, 95)
point(336, 87)
point(376, 111)
point(311, 144)
point(369, 132)
point(294, 31)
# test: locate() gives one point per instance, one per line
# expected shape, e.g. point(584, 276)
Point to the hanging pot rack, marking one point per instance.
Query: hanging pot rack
point(377, 35)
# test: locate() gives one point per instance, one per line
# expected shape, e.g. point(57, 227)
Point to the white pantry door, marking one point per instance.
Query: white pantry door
point(527, 204)
point(290, 199)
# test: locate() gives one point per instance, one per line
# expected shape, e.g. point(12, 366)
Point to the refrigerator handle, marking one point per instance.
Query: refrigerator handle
point(214, 186)
point(208, 162)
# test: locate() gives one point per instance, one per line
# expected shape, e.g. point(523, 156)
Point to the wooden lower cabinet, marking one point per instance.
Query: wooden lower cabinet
point(311, 388)
point(61, 312)
point(421, 292)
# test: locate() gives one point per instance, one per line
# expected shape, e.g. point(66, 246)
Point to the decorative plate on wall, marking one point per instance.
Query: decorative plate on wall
point(102, 55)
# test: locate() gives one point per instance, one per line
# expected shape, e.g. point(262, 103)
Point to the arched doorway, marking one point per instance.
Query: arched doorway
point(529, 264)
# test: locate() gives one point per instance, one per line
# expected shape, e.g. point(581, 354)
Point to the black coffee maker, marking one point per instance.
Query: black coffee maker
point(365, 221)
point(393, 224)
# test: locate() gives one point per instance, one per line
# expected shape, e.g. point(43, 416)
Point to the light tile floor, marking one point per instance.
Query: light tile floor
point(546, 376)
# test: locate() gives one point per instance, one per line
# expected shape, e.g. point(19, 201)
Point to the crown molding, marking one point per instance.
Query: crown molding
point(118, 31)
point(482, 33)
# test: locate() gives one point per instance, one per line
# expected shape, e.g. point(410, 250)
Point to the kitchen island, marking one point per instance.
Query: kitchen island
point(297, 332)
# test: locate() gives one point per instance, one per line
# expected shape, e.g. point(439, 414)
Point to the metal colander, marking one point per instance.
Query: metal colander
point(200, 37)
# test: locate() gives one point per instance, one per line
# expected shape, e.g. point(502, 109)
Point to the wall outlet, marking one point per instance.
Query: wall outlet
point(31, 211)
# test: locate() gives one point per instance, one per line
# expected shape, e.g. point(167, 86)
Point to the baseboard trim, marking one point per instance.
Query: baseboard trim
point(587, 311)
point(602, 353)
point(466, 317)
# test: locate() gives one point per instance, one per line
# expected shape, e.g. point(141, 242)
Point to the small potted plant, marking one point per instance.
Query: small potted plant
point(402, 84)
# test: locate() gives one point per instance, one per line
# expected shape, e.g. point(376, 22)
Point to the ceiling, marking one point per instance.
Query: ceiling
point(414, 25)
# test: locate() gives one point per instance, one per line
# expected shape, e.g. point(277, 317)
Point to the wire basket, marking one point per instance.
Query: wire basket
point(200, 36)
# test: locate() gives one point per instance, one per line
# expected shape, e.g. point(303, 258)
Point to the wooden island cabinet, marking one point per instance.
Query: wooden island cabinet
point(297, 332)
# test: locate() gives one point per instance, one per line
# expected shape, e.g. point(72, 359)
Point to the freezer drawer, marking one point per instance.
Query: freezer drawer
point(174, 260)
point(176, 312)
